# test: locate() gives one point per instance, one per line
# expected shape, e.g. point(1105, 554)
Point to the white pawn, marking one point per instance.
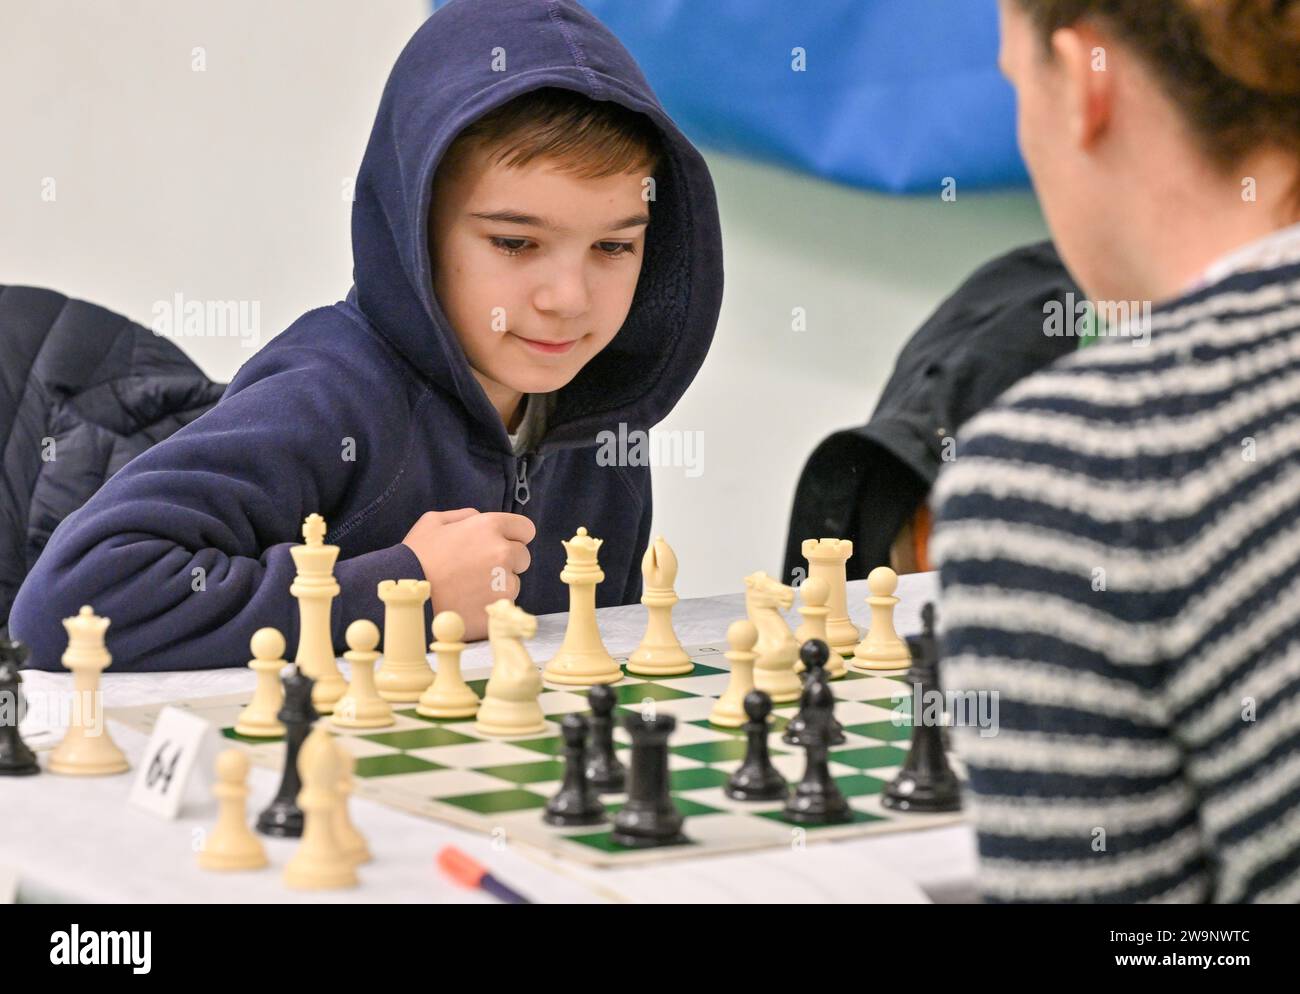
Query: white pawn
point(510, 699)
point(232, 844)
point(881, 648)
point(660, 653)
point(361, 706)
point(449, 696)
point(813, 593)
point(86, 749)
point(258, 720)
point(352, 841)
point(321, 862)
point(729, 710)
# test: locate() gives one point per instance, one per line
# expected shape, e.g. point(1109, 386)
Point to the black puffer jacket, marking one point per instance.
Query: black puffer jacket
point(82, 392)
point(865, 483)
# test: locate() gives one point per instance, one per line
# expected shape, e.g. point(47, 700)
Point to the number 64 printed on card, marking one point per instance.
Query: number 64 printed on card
point(178, 738)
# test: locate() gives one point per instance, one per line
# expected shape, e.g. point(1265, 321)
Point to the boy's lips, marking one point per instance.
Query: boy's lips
point(547, 348)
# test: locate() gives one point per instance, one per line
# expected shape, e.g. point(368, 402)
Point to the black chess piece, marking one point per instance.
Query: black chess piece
point(817, 798)
point(925, 783)
point(815, 654)
point(16, 757)
point(756, 779)
point(605, 772)
point(649, 817)
point(282, 817)
point(575, 803)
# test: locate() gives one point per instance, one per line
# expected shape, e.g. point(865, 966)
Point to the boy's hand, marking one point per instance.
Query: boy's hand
point(471, 559)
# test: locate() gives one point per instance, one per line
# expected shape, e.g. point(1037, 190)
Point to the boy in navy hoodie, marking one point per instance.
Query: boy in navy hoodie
point(537, 260)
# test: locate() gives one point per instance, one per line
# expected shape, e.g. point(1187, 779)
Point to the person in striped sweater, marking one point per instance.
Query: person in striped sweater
point(1118, 537)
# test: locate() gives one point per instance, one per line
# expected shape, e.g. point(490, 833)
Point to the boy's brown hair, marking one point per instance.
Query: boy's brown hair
point(589, 138)
point(1232, 66)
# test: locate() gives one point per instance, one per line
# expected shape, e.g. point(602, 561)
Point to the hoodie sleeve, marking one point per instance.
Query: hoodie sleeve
point(635, 581)
point(186, 549)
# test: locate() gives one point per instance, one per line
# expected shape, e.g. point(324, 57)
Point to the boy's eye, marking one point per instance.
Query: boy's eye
point(510, 246)
point(615, 248)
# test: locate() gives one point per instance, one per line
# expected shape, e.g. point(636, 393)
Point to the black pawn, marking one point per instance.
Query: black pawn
point(282, 817)
point(815, 654)
point(605, 772)
point(16, 757)
point(757, 779)
point(575, 803)
point(817, 799)
point(926, 783)
point(649, 817)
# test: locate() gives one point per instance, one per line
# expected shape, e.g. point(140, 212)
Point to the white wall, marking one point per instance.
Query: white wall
point(227, 184)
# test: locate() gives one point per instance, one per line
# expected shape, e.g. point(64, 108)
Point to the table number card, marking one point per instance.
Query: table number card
point(177, 740)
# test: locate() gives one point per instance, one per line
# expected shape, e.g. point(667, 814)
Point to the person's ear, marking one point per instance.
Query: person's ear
point(1085, 63)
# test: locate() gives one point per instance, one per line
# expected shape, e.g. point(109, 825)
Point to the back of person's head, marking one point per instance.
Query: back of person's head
point(1229, 75)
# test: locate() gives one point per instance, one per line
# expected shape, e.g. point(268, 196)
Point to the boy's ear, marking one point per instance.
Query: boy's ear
point(1083, 57)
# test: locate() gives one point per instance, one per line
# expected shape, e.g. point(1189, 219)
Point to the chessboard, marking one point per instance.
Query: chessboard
point(449, 771)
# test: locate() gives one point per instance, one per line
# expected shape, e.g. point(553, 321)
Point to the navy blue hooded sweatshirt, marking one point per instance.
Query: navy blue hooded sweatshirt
point(381, 376)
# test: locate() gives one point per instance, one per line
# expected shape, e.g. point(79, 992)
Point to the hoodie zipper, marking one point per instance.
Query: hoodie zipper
point(522, 491)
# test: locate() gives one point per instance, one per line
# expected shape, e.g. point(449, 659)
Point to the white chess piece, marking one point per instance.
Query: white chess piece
point(352, 841)
point(510, 700)
point(449, 696)
point(405, 673)
point(582, 659)
point(881, 648)
point(87, 750)
point(826, 558)
point(777, 650)
point(361, 706)
point(321, 862)
point(729, 709)
point(315, 588)
point(660, 653)
point(813, 593)
point(232, 844)
point(258, 720)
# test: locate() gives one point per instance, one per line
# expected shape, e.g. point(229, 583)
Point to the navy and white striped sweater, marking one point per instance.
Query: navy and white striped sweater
point(1119, 549)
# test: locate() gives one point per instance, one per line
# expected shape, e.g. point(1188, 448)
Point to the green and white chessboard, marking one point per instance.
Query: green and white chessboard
point(447, 770)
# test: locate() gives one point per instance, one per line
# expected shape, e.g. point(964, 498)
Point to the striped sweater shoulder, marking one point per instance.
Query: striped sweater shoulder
point(1118, 540)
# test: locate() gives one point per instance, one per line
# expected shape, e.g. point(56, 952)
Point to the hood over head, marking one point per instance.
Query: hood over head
point(442, 81)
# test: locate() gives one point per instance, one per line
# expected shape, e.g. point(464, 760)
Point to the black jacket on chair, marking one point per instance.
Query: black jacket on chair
point(865, 483)
point(82, 392)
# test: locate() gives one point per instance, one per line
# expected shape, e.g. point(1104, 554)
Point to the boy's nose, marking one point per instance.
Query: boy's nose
point(565, 294)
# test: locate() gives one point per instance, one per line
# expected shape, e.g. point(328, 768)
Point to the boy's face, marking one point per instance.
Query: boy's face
point(535, 268)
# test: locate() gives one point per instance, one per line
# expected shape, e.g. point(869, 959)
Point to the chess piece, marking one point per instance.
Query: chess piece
point(605, 771)
point(405, 673)
point(826, 558)
point(361, 706)
point(510, 700)
point(315, 588)
point(649, 818)
point(87, 750)
point(777, 650)
point(575, 803)
point(756, 779)
point(814, 654)
point(582, 660)
point(729, 709)
point(881, 648)
point(660, 653)
point(926, 782)
point(16, 757)
point(232, 845)
point(282, 818)
point(817, 799)
point(258, 720)
point(449, 696)
point(321, 862)
point(352, 841)
point(813, 594)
